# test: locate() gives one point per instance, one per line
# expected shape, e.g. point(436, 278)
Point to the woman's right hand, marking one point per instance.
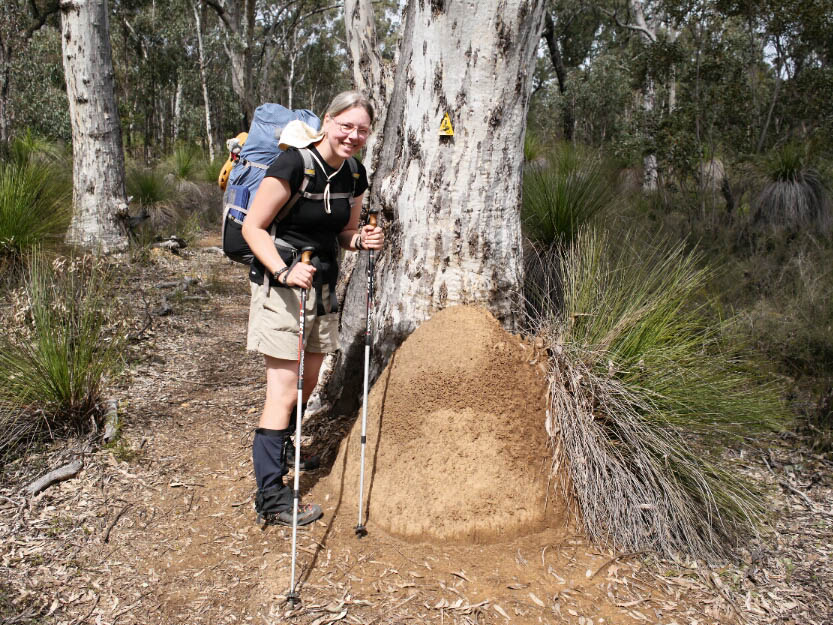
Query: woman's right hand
point(300, 275)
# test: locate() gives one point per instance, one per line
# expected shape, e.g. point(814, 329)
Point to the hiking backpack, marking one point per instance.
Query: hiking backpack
point(250, 164)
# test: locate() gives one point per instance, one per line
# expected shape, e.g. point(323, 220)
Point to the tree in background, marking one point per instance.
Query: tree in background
point(21, 20)
point(98, 198)
point(570, 31)
point(238, 20)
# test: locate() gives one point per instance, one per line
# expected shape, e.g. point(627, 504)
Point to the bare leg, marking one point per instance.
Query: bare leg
point(282, 388)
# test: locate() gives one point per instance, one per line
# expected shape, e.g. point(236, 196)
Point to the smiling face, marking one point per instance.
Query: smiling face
point(346, 133)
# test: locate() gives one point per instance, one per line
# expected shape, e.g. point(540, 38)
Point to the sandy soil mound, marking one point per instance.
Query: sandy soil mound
point(462, 454)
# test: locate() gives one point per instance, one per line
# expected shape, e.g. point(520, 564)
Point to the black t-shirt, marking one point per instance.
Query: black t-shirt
point(308, 223)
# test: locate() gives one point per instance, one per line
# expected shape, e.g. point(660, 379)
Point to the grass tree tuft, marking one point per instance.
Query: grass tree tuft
point(35, 199)
point(645, 393)
point(184, 162)
point(55, 364)
point(563, 192)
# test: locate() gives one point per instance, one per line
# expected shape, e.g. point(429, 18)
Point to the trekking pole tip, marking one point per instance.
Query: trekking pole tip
point(360, 531)
point(293, 599)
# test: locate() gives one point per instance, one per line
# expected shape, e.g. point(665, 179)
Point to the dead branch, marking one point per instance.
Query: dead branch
point(111, 420)
point(58, 475)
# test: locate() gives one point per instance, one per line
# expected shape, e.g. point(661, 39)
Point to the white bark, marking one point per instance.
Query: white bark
point(451, 205)
point(371, 77)
point(204, 83)
point(455, 201)
point(178, 107)
point(98, 163)
point(650, 175)
point(650, 169)
point(290, 72)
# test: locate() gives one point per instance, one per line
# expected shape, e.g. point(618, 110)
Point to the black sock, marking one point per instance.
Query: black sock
point(268, 458)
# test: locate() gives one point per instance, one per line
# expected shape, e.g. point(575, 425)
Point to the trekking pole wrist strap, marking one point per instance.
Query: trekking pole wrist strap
point(277, 275)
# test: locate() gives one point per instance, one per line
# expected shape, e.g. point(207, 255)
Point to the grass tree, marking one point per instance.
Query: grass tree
point(35, 196)
point(645, 394)
point(55, 365)
point(565, 193)
point(794, 194)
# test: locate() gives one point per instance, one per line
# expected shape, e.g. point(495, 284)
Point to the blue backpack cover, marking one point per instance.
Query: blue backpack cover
point(259, 151)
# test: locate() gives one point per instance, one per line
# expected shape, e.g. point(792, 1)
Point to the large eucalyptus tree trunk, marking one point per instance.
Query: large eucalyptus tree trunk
point(450, 204)
point(98, 163)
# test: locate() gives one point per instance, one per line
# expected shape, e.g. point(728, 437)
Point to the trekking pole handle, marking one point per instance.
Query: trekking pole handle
point(306, 255)
point(371, 219)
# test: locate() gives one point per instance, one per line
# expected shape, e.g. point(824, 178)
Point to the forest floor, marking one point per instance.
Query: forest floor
point(159, 528)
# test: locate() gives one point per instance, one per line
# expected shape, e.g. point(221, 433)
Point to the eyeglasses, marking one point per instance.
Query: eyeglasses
point(348, 129)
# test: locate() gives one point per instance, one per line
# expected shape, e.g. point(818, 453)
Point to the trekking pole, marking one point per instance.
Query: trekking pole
point(360, 529)
point(292, 597)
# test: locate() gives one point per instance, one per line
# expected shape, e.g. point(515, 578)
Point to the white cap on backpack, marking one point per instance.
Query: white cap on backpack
point(297, 134)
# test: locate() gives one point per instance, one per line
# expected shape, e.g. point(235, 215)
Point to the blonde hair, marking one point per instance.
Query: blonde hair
point(350, 99)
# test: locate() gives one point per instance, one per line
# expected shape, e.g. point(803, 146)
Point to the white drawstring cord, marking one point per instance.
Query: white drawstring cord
point(326, 188)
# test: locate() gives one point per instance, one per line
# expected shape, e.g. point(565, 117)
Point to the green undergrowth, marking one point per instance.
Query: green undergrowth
point(163, 203)
point(771, 277)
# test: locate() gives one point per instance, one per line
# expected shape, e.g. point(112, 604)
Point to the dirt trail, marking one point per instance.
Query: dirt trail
point(164, 527)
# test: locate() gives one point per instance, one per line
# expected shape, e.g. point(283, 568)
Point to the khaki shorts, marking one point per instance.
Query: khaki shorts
point(273, 323)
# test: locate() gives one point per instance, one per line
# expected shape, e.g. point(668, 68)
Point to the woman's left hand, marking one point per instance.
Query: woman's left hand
point(372, 237)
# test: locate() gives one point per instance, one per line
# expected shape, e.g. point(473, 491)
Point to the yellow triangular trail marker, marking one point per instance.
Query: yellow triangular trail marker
point(445, 127)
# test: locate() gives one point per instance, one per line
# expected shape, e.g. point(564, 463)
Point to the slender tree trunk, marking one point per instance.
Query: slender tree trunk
point(178, 107)
point(649, 35)
point(204, 81)
point(290, 72)
point(238, 20)
point(561, 75)
point(762, 138)
point(98, 163)
point(450, 205)
point(650, 175)
point(5, 79)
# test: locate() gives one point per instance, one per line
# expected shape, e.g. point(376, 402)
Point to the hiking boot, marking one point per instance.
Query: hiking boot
point(307, 513)
point(308, 462)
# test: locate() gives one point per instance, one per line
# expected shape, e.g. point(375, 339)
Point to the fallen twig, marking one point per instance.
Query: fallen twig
point(110, 527)
point(786, 485)
point(111, 420)
point(623, 556)
point(80, 620)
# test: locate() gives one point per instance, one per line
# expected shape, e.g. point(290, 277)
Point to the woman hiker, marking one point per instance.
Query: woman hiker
point(324, 221)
